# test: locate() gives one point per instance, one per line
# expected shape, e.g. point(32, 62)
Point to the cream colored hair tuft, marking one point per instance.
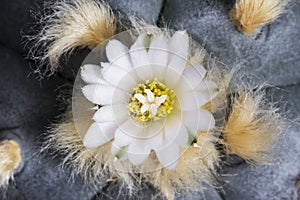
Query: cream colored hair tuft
point(70, 24)
point(252, 126)
point(250, 15)
point(10, 159)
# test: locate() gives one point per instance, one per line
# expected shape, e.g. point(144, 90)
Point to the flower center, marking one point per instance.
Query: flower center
point(151, 101)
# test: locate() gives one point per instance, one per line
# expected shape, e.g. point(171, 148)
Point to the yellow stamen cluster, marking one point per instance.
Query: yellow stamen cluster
point(158, 89)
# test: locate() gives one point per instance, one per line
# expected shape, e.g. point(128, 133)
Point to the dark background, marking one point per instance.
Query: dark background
point(28, 106)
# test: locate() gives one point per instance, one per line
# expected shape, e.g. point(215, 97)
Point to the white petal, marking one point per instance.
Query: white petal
point(158, 51)
point(122, 139)
point(120, 113)
point(155, 135)
point(176, 67)
point(208, 89)
point(115, 76)
point(178, 46)
point(117, 53)
point(178, 64)
point(171, 78)
point(191, 100)
point(194, 75)
point(179, 43)
point(169, 156)
point(91, 74)
point(144, 73)
point(172, 128)
point(174, 132)
point(159, 72)
point(115, 49)
point(182, 137)
point(138, 152)
point(128, 82)
point(198, 120)
point(138, 53)
point(155, 128)
point(156, 142)
point(139, 42)
point(145, 107)
point(104, 95)
point(117, 113)
point(133, 130)
point(182, 87)
point(99, 134)
point(141, 98)
point(150, 95)
point(104, 114)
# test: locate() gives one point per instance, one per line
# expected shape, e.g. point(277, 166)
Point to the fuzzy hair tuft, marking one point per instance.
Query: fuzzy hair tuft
point(68, 25)
point(250, 15)
point(10, 159)
point(252, 127)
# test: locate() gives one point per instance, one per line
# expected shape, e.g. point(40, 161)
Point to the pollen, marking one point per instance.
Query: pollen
point(162, 109)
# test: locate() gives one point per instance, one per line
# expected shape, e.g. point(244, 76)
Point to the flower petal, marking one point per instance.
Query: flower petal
point(138, 152)
point(115, 75)
point(138, 53)
point(134, 130)
point(182, 137)
point(156, 134)
point(159, 72)
point(104, 114)
point(144, 73)
point(191, 100)
point(117, 113)
point(117, 53)
point(194, 75)
point(198, 120)
point(178, 46)
point(208, 89)
point(169, 156)
point(141, 60)
point(177, 64)
point(99, 134)
point(120, 113)
point(171, 78)
point(183, 87)
point(156, 142)
point(158, 51)
point(104, 95)
point(122, 139)
point(91, 74)
point(172, 129)
point(174, 132)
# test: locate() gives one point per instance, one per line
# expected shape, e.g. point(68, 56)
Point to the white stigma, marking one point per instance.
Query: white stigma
point(150, 102)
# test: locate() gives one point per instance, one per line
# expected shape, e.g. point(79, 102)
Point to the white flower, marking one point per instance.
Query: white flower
point(149, 98)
